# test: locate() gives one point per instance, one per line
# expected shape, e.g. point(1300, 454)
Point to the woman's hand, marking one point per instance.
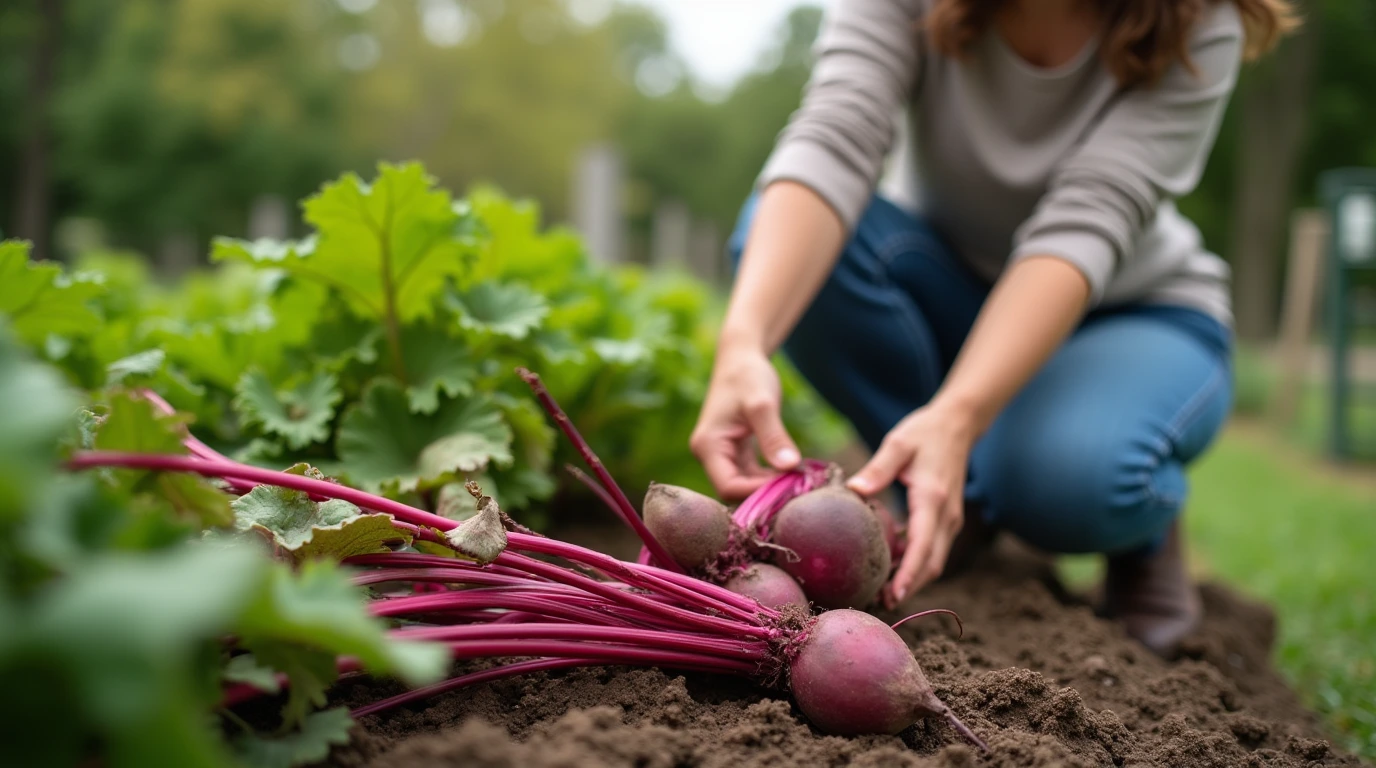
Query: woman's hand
point(743, 402)
point(928, 451)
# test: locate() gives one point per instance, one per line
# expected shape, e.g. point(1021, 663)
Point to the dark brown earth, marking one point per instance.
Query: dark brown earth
point(1043, 680)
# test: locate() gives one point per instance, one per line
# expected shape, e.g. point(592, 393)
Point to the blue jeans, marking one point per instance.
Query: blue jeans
point(1089, 457)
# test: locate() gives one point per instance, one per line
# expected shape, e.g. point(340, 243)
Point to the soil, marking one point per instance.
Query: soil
point(1036, 674)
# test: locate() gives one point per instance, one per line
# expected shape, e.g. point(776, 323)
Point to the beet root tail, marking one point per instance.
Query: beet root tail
point(965, 732)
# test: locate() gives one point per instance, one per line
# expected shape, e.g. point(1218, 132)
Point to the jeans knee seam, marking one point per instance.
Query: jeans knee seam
point(1175, 429)
point(1192, 408)
point(1155, 495)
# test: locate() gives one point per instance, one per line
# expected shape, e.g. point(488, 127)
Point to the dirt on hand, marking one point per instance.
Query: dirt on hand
point(1037, 675)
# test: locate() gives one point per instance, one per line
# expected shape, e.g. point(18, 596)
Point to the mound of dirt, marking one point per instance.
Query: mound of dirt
point(1043, 680)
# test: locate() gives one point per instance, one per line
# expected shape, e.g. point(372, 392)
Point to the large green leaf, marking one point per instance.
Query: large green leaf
point(35, 408)
point(501, 309)
point(306, 529)
point(317, 607)
point(300, 415)
point(134, 425)
point(435, 364)
point(382, 445)
point(145, 363)
point(534, 435)
point(38, 299)
point(389, 243)
point(516, 248)
point(307, 746)
point(129, 628)
point(557, 346)
point(219, 353)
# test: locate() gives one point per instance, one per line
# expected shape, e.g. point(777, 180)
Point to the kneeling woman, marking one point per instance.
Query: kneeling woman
point(1042, 343)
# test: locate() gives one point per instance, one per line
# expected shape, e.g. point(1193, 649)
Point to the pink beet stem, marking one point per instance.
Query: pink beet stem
point(684, 587)
point(235, 470)
point(592, 485)
point(412, 560)
point(607, 652)
point(481, 578)
point(472, 678)
point(675, 614)
point(623, 504)
point(746, 605)
point(643, 638)
point(190, 441)
point(647, 606)
point(556, 607)
point(929, 612)
point(367, 501)
point(755, 513)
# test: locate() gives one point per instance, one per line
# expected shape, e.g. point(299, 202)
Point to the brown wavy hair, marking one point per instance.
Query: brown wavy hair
point(1142, 38)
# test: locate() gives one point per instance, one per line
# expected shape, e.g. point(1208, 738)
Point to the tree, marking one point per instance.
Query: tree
point(1273, 114)
point(503, 93)
point(190, 109)
point(34, 188)
point(708, 154)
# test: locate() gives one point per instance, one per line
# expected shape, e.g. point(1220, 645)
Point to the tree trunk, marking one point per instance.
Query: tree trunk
point(34, 198)
point(1272, 112)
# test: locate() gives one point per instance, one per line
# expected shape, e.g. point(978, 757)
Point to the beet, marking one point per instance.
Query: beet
point(894, 531)
point(771, 586)
point(855, 675)
point(838, 551)
point(693, 528)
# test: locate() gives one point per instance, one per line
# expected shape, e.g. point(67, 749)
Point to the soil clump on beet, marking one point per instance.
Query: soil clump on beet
point(1037, 675)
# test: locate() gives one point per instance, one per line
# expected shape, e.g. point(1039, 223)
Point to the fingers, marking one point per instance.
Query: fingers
point(926, 502)
point(720, 459)
point(892, 458)
point(929, 545)
point(775, 445)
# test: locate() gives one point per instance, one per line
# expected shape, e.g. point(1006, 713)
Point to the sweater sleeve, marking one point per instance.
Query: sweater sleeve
point(1150, 146)
point(837, 141)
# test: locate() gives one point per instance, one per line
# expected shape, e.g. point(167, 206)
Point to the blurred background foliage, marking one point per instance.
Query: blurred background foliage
point(155, 124)
point(152, 123)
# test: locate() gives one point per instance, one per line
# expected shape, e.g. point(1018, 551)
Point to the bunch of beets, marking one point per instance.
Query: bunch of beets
point(713, 590)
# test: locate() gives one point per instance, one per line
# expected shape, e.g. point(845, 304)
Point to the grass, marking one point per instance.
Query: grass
point(1300, 537)
point(1283, 528)
point(1256, 382)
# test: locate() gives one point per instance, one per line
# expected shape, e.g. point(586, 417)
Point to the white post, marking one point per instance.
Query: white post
point(1309, 233)
point(268, 218)
point(669, 243)
point(707, 255)
point(596, 204)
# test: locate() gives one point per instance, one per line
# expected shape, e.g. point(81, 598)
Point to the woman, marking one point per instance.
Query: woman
point(1044, 346)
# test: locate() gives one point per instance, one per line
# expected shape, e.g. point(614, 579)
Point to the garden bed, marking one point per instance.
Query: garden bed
point(1036, 673)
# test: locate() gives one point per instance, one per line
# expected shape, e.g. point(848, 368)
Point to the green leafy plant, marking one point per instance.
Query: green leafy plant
point(381, 346)
point(128, 597)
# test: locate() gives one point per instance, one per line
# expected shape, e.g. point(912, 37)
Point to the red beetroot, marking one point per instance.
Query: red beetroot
point(692, 527)
point(842, 557)
point(768, 584)
point(855, 675)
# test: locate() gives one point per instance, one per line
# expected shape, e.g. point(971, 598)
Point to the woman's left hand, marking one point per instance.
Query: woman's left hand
point(928, 451)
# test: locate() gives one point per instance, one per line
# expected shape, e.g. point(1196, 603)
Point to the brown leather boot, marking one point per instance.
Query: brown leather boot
point(1153, 596)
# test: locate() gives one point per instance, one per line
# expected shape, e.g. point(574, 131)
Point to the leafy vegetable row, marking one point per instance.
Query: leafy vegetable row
point(378, 347)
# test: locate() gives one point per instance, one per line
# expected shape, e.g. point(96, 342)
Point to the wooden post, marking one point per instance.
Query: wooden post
point(706, 256)
point(597, 202)
point(669, 240)
point(1308, 241)
point(269, 218)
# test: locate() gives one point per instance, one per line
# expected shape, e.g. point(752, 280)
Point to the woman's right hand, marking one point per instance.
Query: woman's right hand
point(741, 412)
